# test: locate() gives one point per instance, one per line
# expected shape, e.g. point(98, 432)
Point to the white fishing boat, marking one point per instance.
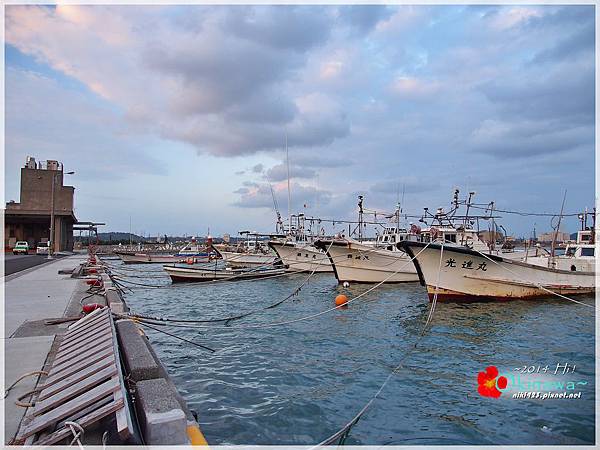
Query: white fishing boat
point(195, 274)
point(301, 256)
point(463, 274)
point(192, 252)
point(353, 261)
point(297, 251)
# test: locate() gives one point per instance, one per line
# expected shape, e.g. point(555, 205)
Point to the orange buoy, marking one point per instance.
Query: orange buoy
point(341, 300)
point(190, 260)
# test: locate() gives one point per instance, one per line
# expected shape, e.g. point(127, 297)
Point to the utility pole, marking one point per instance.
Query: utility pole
point(51, 247)
point(52, 207)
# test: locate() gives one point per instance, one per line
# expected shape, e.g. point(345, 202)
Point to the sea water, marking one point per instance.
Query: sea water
point(298, 383)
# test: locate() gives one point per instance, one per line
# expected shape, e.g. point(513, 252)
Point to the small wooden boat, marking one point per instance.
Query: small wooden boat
point(182, 274)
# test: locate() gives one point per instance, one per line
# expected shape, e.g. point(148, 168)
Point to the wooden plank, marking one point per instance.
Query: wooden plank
point(80, 346)
point(84, 421)
point(93, 355)
point(124, 422)
point(70, 407)
point(101, 343)
point(74, 390)
point(85, 332)
point(84, 338)
point(88, 324)
point(84, 412)
point(88, 318)
point(122, 416)
point(83, 346)
point(51, 387)
point(70, 337)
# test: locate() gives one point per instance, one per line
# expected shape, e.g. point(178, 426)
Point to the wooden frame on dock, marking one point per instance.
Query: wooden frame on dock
point(84, 384)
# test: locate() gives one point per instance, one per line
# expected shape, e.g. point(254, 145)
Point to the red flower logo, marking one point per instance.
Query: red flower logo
point(489, 382)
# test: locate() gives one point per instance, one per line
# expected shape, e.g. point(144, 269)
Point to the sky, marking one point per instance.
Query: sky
point(176, 117)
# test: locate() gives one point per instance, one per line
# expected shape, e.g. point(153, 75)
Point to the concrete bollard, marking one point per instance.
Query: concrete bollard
point(139, 362)
point(163, 422)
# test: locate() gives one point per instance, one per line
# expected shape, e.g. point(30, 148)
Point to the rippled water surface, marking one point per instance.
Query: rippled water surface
point(301, 382)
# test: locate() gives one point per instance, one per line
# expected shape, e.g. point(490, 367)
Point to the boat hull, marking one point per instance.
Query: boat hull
point(247, 259)
point(185, 274)
point(301, 259)
point(358, 263)
point(468, 276)
point(150, 258)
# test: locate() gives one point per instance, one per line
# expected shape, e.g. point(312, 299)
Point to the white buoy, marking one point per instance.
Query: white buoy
point(346, 284)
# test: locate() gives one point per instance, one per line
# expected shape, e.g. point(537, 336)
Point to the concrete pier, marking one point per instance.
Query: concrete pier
point(30, 297)
point(50, 291)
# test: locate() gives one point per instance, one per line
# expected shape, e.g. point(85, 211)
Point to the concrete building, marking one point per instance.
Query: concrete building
point(29, 220)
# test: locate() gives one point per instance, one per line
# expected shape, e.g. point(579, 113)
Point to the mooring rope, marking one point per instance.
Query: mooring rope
point(294, 293)
point(286, 322)
point(342, 433)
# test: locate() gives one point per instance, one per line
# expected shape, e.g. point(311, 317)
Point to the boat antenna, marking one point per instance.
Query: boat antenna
point(279, 224)
point(287, 154)
point(558, 224)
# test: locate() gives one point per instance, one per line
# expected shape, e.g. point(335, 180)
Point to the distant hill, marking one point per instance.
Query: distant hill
point(117, 236)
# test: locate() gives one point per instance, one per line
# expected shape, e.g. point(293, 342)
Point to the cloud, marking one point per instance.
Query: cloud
point(234, 71)
point(279, 172)
point(367, 95)
point(260, 196)
point(363, 18)
point(527, 139)
point(561, 92)
point(73, 127)
point(284, 27)
point(407, 184)
point(410, 88)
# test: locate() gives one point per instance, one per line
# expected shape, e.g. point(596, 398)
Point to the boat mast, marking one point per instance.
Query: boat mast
point(287, 154)
point(493, 240)
point(360, 217)
point(558, 225)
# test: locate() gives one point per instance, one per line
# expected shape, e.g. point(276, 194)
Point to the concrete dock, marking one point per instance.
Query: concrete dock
point(51, 291)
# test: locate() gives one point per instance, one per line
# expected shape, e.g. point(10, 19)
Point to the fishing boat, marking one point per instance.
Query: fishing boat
point(301, 256)
point(297, 251)
point(464, 274)
point(191, 252)
point(189, 274)
point(367, 261)
point(252, 252)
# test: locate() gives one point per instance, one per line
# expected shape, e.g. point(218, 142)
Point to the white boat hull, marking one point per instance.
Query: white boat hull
point(355, 262)
point(187, 274)
point(466, 275)
point(233, 259)
point(301, 258)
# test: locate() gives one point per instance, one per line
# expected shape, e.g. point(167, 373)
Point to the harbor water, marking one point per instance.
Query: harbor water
point(298, 383)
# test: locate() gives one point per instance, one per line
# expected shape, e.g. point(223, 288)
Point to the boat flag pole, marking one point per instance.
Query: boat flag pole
point(287, 154)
